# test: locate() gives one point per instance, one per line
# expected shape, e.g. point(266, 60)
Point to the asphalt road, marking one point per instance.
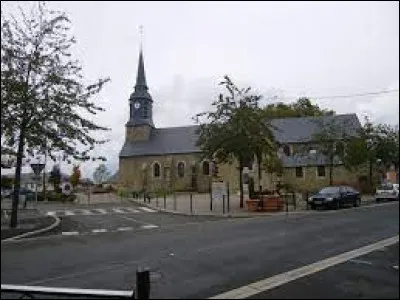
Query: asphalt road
point(372, 276)
point(197, 259)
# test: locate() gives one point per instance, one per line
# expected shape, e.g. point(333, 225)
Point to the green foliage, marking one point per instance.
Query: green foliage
point(7, 182)
point(377, 145)
point(331, 140)
point(301, 108)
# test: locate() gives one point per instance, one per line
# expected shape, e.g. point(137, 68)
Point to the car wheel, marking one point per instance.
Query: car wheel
point(357, 202)
point(312, 206)
point(337, 204)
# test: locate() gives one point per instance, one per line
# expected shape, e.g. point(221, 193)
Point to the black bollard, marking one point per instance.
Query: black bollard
point(143, 283)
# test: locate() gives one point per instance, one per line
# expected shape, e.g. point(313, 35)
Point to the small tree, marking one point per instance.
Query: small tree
point(235, 130)
point(331, 139)
point(55, 178)
point(101, 174)
point(75, 176)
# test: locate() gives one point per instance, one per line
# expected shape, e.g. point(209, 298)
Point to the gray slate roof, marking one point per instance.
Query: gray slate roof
point(175, 140)
point(301, 130)
point(172, 140)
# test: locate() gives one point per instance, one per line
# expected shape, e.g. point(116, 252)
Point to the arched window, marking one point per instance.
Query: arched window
point(156, 169)
point(181, 169)
point(206, 168)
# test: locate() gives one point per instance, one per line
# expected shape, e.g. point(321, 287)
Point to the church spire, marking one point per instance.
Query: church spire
point(141, 75)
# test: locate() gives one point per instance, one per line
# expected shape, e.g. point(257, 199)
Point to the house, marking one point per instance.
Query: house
point(28, 180)
point(167, 158)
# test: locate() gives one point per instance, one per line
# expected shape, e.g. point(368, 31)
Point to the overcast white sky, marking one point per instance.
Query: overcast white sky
point(289, 49)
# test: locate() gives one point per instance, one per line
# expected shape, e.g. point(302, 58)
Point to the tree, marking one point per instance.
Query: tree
point(331, 140)
point(55, 177)
point(235, 129)
point(101, 174)
point(375, 145)
point(75, 176)
point(7, 182)
point(45, 102)
point(301, 108)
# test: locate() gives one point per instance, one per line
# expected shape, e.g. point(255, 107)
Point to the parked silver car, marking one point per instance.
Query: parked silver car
point(387, 191)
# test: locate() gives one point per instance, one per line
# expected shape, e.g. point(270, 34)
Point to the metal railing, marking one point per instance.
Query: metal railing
point(24, 291)
point(31, 291)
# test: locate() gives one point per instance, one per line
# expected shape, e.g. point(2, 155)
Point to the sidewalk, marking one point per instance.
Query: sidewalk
point(28, 220)
point(201, 204)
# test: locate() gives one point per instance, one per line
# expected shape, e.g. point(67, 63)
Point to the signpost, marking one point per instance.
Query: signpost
point(37, 169)
point(219, 192)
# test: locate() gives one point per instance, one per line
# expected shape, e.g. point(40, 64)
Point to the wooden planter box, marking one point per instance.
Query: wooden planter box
point(270, 203)
point(252, 204)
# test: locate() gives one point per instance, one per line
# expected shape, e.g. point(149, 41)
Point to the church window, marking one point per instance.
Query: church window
point(181, 169)
point(156, 170)
point(206, 168)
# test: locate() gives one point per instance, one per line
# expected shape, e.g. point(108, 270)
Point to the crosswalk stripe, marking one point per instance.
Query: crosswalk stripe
point(131, 209)
point(69, 213)
point(118, 210)
point(150, 226)
point(99, 230)
point(70, 233)
point(124, 228)
point(102, 211)
point(51, 213)
point(86, 212)
point(147, 209)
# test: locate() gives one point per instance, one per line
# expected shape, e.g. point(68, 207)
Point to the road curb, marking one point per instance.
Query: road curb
point(35, 232)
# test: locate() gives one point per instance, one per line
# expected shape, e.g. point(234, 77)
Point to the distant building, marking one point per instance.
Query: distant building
point(28, 180)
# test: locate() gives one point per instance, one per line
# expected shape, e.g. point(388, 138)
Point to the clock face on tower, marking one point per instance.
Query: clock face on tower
point(136, 105)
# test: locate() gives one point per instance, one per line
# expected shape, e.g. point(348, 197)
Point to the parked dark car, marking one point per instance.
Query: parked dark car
point(335, 197)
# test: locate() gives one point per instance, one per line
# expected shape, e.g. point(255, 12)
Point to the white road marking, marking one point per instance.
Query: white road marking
point(280, 279)
point(69, 213)
point(51, 213)
point(396, 267)
point(100, 210)
point(149, 226)
point(124, 228)
point(363, 262)
point(70, 233)
point(131, 209)
point(146, 209)
point(118, 210)
point(99, 230)
point(86, 212)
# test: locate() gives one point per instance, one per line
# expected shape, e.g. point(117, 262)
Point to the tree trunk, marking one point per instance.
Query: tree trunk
point(259, 174)
point(370, 174)
point(44, 173)
point(241, 183)
point(17, 182)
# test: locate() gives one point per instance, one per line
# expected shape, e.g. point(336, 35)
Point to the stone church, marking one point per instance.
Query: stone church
point(168, 159)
